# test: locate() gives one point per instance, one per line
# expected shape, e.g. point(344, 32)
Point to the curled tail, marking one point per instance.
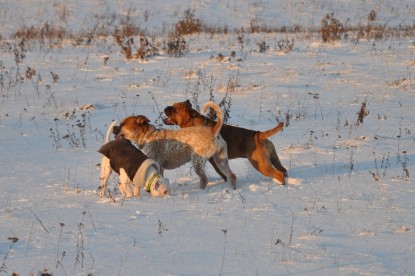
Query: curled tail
point(216, 129)
point(108, 137)
point(262, 135)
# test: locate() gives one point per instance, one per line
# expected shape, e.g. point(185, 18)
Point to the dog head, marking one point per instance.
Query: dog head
point(133, 128)
point(160, 187)
point(181, 114)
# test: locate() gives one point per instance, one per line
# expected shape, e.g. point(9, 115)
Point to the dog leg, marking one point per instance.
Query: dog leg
point(199, 166)
point(266, 169)
point(221, 160)
point(136, 192)
point(105, 175)
point(213, 163)
point(125, 184)
point(275, 160)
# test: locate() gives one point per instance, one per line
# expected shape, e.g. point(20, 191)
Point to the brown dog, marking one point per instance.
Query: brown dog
point(241, 142)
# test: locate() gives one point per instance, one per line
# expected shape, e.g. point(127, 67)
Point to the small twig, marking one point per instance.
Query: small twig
point(161, 229)
point(291, 233)
point(13, 240)
point(290, 247)
point(158, 109)
point(243, 200)
point(90, 217)
point(43, 226)
point(59, 242)
point(224, 251)
point(30, 238)
point(110, 196)
point(80, 246)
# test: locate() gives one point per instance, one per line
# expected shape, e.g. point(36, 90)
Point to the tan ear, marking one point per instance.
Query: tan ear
point(141, 120)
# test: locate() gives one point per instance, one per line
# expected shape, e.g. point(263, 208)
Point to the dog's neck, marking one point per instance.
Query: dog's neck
point(151, 176)
point(204, 121)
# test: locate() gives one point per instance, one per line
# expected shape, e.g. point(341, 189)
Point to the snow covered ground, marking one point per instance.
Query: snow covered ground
point(349, 204)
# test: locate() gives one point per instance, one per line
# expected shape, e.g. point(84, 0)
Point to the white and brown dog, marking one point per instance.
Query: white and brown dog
point(173, 148)
point(133, 167)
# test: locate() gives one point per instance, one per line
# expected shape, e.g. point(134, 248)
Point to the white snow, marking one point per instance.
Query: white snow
point(349, 203)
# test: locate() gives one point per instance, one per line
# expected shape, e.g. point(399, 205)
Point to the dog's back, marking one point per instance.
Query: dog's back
point(123, 154)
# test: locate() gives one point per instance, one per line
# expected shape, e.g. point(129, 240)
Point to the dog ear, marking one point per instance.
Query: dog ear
point(141, 120)
point(156, 185)
point(187, 102)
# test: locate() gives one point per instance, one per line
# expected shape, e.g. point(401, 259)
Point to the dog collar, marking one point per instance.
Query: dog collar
point(150, 182)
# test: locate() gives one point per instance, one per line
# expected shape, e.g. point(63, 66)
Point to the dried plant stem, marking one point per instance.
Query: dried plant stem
point(224, 251)
point(13, 241)
point(41, 223)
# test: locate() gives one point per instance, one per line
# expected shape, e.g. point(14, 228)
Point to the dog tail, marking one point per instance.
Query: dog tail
point(262, 135)
point(217, 127)
point(108, 137)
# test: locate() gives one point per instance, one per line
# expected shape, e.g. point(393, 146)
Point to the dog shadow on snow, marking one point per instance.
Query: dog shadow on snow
point(394, 166)
point(188, 183)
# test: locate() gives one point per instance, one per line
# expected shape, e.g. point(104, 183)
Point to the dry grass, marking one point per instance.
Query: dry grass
point(331, 28)
point(189, 24)
point(137, 43)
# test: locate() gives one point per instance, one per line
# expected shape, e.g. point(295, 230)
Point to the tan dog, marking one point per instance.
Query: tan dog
point(241, 142)
point(173, 148)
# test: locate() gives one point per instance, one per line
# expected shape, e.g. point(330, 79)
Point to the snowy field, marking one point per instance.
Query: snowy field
point(348, 143)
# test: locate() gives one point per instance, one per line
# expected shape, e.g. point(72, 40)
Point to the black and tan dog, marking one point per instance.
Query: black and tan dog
point(241, 142)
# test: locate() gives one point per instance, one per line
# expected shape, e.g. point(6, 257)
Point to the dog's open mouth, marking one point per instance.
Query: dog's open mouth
point(168, 121)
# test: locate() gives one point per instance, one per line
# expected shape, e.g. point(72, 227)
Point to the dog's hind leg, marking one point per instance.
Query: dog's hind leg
point(264, 166)
point(221, 160)
point(275, 160)
point(125, 184)
point(215, 166)
point(105, 175)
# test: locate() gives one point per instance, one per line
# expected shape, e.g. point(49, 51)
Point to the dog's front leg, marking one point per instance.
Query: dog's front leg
point(136, 190)
point(221, 160)
point(199, 168)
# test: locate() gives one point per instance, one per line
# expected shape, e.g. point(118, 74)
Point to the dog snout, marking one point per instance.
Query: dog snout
point(168, 110)
point(116, 130)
